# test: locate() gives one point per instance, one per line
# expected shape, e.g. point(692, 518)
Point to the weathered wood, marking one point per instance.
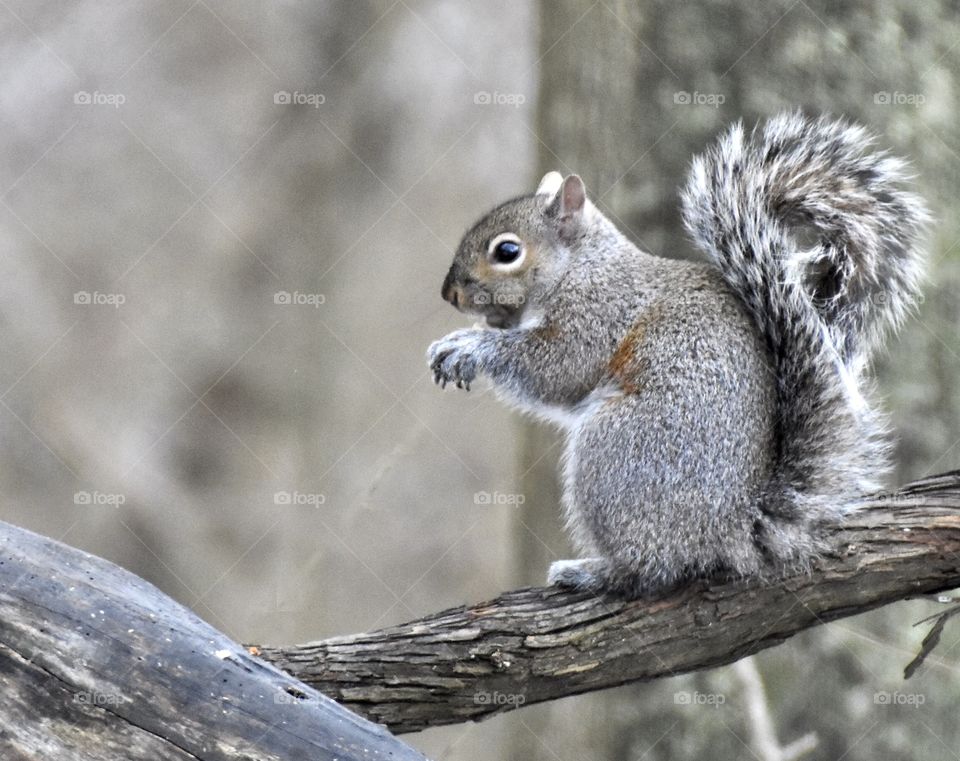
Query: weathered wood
point(96, 663)
point(532, 645)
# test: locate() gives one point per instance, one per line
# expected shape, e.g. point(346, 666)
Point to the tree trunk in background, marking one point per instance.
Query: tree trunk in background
point(629, 92)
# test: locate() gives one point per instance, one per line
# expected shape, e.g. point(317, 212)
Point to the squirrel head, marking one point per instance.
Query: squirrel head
point(509, 261)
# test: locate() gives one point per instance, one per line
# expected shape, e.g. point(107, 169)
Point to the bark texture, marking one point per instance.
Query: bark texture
point(532, 645)
point(97, 663)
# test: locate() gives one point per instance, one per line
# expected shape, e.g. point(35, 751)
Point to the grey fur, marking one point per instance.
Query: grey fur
point(715, 413)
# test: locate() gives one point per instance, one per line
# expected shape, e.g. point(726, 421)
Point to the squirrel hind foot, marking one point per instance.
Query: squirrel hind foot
point(599, 577)
point(584, 575)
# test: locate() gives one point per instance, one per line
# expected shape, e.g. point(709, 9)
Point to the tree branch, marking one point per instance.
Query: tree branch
point(533, 645)
point(763, 735)
point(97, 663)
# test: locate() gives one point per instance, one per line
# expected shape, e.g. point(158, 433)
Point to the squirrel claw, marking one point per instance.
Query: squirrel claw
point(453, 359)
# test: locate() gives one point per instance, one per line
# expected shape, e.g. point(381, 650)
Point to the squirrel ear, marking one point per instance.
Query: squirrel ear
point(571, 207)
point(550, 184)
point(573, 197)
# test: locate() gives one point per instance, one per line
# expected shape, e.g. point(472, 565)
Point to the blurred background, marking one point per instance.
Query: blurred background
point(224, 227)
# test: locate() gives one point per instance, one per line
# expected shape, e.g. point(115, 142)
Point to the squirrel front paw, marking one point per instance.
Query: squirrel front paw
point(586, 574)
point(453, 359)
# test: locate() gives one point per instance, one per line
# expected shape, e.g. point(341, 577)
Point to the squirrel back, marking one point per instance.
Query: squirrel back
point(812, 230)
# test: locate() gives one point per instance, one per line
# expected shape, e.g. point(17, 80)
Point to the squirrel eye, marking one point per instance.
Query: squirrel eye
point(506, 250)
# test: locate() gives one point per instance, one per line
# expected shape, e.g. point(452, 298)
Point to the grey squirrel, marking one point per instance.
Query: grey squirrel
point(716, 414)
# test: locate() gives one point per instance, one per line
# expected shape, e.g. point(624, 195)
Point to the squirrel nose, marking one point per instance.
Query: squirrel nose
point(451, 292)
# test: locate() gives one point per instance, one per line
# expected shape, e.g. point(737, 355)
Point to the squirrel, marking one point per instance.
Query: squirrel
point(717, 415)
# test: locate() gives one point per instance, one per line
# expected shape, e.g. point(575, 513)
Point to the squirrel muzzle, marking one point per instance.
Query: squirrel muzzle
point(452, 291)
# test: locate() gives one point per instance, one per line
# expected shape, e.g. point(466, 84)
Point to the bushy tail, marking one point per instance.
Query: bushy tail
point(811, 229)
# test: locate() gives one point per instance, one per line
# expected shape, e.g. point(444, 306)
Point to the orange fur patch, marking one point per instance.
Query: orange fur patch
point(625, 366)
